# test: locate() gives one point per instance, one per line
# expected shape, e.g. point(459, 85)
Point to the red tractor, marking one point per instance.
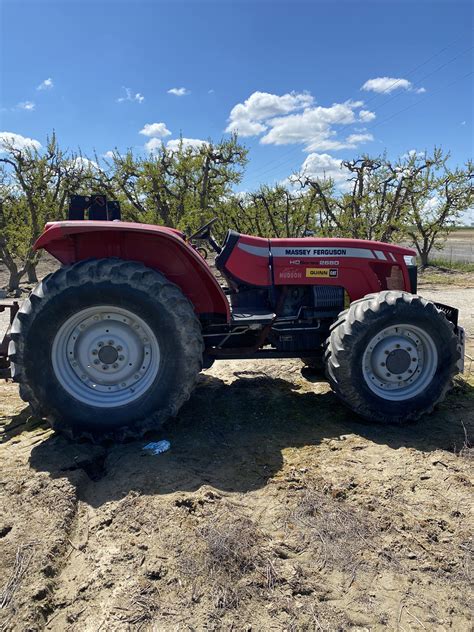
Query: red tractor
point(111, 344)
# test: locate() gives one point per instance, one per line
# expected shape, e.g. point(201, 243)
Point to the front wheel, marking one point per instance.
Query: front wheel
point(106, 349)
point(391, 357)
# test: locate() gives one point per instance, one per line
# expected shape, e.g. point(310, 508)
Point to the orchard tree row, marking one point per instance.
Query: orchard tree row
point(416, 199)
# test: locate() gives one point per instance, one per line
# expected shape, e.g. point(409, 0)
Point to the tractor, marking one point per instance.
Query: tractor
point(111, 344)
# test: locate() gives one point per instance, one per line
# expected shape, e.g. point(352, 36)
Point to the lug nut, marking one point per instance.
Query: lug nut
point(105, 367)
point(94, 352)
point(382, 364)
point(101, 344)
point(121, 357)
point(387, 352)
point(119, 348)
point(115, 365)
point(96, 362)
point(388, 374)
point(111, 342)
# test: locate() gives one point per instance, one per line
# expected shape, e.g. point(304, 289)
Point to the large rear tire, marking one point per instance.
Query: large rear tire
point(391, 357)
point(106, 349)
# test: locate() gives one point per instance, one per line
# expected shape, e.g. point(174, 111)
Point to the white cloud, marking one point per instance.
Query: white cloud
point(153, 145)
point(386, 85)
point(325, 167)
point(156, 130)
point(18, 141)
point(313, 127)
point(47, 84)
point(179, 92)
point(413, 153)
point(195, 143)
point(247, 118)
point(463, 122)
point(365, 116)
point(29, 106)
point(83, 163)
point(139, 98)
point(355, 139)
point(108, 154)
point(432, 204)
point(293, 118)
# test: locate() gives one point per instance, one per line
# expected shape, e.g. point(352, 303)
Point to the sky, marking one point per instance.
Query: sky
point(305, 84)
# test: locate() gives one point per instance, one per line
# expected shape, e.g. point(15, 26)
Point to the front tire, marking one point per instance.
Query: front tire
point(391, 357)
point(106, 349)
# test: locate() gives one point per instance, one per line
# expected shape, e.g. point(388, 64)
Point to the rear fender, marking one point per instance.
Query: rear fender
point(162, 249)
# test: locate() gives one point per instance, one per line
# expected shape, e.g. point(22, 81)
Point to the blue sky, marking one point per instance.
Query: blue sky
point(287, 74)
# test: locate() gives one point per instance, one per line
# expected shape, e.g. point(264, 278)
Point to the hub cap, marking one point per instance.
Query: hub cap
point(399, 362)
point(105, 356)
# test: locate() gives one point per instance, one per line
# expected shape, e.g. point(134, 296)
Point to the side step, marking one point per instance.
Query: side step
point(253, 318)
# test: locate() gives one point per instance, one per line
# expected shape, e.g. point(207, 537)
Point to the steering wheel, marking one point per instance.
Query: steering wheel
point(205, 233)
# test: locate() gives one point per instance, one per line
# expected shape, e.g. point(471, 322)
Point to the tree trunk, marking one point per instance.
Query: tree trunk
point(424, 254)
point(14, 278)
point(30, 270)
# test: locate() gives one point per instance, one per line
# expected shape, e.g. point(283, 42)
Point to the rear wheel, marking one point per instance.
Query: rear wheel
point(106, 349)
point(391, 357)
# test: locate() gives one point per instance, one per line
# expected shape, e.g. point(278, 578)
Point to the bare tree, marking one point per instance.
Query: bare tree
point(34, 188)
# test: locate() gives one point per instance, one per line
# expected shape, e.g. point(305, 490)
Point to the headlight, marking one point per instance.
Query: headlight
point(410, 260)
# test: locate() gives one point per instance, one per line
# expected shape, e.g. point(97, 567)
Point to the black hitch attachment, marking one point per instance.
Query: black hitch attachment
point(13, 307)
point(98, 207)
point(451, 313)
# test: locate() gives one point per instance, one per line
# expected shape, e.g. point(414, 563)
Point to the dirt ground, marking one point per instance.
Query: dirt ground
point(274, 509)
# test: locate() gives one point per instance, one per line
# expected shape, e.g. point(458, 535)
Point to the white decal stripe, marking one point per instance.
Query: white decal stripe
point(380, 255)
point(254, 250)
point(329, 251)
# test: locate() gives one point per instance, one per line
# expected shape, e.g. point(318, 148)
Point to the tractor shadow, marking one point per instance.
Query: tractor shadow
point(231, 437)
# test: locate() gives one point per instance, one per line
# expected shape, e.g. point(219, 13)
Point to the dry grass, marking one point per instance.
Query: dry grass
point(339, 533)
point(23, 557)
point(231, 557)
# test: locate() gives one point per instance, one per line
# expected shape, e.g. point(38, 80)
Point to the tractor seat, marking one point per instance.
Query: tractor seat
point(228, 246)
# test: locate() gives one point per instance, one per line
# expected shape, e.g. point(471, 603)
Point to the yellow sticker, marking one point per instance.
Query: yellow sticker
point(317, 272)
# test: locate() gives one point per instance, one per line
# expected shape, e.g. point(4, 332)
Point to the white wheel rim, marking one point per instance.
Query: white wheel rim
point(105, 356)
point(400, 362)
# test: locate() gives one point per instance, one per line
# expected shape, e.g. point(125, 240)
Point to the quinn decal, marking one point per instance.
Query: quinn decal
point(312, 273)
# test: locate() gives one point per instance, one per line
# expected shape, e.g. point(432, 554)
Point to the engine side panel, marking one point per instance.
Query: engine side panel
point(161, 249)
point(361, 267)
